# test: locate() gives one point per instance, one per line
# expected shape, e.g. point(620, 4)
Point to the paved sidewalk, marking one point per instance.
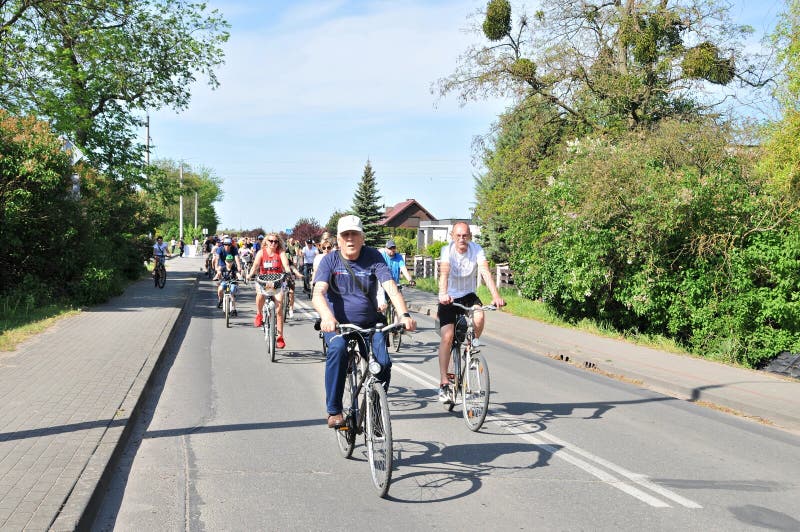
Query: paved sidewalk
point(68, 394)
point(751, 393)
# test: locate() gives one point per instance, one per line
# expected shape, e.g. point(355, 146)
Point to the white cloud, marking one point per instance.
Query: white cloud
point(379, 61)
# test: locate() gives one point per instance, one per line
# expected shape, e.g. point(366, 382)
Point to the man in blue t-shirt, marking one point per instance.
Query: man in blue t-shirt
point(396, 263)
point(338, 298)
point(228, 248)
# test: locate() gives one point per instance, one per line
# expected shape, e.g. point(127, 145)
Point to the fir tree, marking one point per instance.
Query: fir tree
point(365, 206)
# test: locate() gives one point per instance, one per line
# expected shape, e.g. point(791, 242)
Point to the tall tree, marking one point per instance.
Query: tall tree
point(94, 67)
point(606, 64)
point(366, 206)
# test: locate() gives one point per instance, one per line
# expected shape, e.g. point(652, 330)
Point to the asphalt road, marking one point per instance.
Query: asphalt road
point(231, 441)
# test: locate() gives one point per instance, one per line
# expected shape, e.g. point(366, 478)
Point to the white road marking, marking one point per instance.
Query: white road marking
point(568, 451)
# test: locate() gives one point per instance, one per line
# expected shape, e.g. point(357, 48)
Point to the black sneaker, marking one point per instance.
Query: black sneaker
point(219, 304)
point(234, 313)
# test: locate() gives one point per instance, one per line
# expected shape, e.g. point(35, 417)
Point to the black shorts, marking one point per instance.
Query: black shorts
point(449, 313)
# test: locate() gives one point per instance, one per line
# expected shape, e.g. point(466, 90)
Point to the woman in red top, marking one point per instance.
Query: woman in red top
point(270, 261)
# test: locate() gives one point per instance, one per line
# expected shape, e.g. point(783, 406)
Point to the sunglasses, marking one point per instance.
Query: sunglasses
point(326, 248)
point(272, 241)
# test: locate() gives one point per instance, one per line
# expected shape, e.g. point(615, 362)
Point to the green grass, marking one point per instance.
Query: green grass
point(538, 310)
point(17, 325)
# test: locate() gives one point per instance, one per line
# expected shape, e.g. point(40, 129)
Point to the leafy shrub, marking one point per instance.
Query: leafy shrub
point(435, 249)
point(97, 285)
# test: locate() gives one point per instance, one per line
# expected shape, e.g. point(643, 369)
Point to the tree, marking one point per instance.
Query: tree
point(366, 207)
point(163, 189)
point(93, 67)
point(605, 64)
point(333, 221)
point(306, 228)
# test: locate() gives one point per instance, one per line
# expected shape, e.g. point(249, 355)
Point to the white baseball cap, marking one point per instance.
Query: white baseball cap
point(349, 223)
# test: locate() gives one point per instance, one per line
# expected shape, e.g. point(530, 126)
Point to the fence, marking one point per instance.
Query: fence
point(427, 267)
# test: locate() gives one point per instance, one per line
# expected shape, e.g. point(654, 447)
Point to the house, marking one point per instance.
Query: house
point(431, 231)
point(407, 214)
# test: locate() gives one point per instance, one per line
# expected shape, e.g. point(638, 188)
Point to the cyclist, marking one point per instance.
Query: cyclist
point(396, 263)
point(325, 247)
point(353, 276)
point(290, 280)
point(160, 251)
point(246, 255)
point(225, 276)
point(272, 262)
point(460, 263)
point(309, 252)
point(227, 248)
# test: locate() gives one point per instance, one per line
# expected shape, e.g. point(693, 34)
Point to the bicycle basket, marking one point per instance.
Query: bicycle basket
point(461, 329)
point(271, 280)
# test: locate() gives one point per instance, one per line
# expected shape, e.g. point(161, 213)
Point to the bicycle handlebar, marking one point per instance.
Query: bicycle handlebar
point(474, 309)
point(344, 328)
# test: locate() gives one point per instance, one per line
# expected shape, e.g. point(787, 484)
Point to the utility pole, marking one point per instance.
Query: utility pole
point(147, 143)
point(195, 209)
point(180, 223)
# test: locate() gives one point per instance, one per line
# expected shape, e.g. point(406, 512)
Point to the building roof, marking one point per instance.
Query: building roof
point(394, 216)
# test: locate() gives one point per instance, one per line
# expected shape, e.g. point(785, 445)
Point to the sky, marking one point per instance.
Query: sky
point(312, 90)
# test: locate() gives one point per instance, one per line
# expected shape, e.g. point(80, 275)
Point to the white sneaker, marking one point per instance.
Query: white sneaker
point(291, 313)
point(476, 343)
point(444, 393)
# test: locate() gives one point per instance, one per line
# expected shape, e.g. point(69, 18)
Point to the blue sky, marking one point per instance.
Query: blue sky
point(312, 89)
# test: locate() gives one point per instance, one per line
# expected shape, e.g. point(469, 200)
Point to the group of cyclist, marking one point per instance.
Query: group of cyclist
point(352, 285)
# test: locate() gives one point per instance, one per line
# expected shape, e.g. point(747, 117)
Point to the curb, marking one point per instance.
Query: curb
point(82, 505)
point(712, 399)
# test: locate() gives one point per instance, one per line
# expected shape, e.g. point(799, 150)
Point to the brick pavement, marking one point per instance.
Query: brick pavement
point(68, 393)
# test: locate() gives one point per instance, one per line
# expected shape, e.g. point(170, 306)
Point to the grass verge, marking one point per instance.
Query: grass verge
point(17, 327)
point(538, 310)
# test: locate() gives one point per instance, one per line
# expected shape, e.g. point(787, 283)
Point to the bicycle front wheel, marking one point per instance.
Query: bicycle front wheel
point(162, 276)
point(476, 392)
point(226, 303)
point(378, 437)
point(273, 332)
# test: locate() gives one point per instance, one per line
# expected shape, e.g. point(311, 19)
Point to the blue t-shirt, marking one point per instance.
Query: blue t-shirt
point(395, 264)
point(346, 300)
point(221, 254)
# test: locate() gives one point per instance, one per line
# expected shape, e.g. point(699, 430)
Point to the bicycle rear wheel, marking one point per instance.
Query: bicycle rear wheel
point(347, 438)
point(397, 339)
point(455, 362)
point(378, 437)
point(476, 392)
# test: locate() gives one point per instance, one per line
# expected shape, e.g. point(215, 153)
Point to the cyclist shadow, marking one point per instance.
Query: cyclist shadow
point(440, 472)
point(416, 355)
point(308, 356)
point(404, 399)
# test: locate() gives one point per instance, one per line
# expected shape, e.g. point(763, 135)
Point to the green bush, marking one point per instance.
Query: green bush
point(97, 285)
point(435, 249)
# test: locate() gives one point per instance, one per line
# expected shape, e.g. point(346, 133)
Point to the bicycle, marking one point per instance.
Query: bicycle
point(270, 324)
point(366, 406)
point(396, 337)
point(227, 302)
point(307, 271)
point(159, 272)
point(247, 263)
point(470, 377)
